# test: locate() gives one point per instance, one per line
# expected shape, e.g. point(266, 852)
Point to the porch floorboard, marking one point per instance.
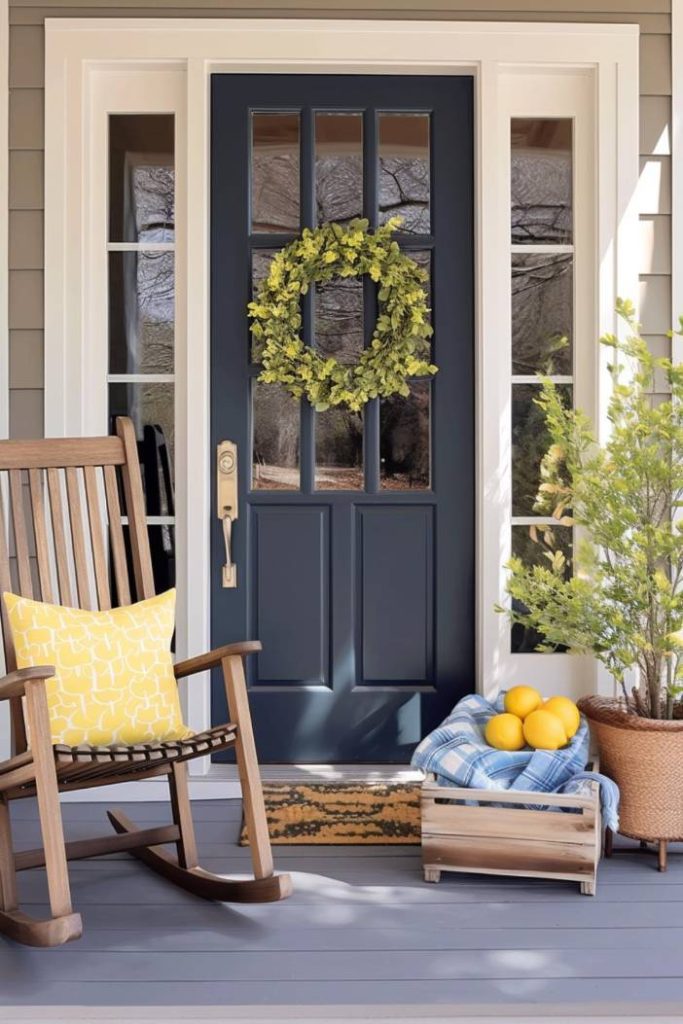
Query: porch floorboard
point(361, 928)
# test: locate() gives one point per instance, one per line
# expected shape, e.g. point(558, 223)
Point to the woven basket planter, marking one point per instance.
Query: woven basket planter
point(644, 756)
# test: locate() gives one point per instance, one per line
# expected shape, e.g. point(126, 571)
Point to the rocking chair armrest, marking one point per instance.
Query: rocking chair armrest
point(212, 659)
point(14, 684)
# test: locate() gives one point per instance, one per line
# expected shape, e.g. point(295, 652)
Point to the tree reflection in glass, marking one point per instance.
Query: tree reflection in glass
point(275, 418)
point(404, 171)
point(541, 181)
point(405, 439)
point(339, 450)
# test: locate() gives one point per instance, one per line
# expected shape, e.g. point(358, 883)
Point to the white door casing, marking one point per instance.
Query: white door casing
point(98, 66)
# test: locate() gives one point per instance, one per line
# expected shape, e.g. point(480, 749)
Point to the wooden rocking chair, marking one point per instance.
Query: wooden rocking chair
point(106, 472)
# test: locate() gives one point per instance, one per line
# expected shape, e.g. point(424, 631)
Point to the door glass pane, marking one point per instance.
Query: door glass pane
point(533, 544)
point(276, 439)
point(275, 172)
point(404, 177)
point(339, 450)
point(141, 312)
point(542, 310)
point(541, 181)
point(529, 444)
point(150, 406)
point(141, 178)
point(339, 318)
point(338, 166)
point(405, 439)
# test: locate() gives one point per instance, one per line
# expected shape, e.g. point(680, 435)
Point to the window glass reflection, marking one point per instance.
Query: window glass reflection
point(151, 408)
point(405, 439)
point(141, 312)
point(541, 181)
point(542, 314)
point(338, 166)
point(275, 171)
point(141, 178)
point(339, 450)
point(404, 171)
point(275, 414)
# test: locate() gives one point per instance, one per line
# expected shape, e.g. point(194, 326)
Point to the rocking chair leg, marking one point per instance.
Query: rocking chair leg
point(48, 802)
point(182, 816)
point(248, 768)
point(64, 925)
point(8, 874)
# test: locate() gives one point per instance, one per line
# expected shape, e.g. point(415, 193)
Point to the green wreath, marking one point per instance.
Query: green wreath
point(399, 348)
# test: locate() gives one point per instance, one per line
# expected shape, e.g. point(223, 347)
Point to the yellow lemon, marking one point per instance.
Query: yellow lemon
point(522, 700)
point(504, 732)
point(544, 731)
point(567, 711)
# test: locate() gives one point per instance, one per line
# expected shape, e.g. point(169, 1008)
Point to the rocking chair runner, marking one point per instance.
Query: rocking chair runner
point(94, 468)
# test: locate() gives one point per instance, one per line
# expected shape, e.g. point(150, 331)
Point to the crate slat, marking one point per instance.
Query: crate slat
point(514, 856)
point(519, 796)
point(507, 823)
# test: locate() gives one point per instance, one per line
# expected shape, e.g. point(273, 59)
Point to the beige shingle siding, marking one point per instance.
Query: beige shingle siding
point(655, 225)
point(26, 140)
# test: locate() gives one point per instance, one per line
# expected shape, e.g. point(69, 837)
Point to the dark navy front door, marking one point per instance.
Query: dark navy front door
point(354, 544)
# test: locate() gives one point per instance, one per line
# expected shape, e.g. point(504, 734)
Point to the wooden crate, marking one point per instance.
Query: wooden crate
point(511, 840)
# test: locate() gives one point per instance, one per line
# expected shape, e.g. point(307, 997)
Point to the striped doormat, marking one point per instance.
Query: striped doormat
point(322, 813)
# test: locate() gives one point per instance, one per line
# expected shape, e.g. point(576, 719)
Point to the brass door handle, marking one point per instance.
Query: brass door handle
point(226, 491)
point(229, 569)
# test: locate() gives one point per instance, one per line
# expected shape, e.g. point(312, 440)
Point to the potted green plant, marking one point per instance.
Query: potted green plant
point(622, 601)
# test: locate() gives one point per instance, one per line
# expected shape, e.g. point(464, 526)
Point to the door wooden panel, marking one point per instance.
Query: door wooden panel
point(396, 560)
point(291, 569)
point(355, 541)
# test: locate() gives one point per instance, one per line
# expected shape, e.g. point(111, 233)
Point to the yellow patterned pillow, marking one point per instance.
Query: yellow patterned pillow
point(114, 679)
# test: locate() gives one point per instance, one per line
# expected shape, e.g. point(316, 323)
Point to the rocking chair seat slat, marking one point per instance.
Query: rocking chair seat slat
point(119, 762)
point(143, 754)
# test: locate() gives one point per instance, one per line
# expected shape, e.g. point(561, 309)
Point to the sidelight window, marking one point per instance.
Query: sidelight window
point(542, 268)
point(141, 310)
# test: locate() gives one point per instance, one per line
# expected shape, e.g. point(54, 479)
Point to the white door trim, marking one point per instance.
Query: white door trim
point(79, 50)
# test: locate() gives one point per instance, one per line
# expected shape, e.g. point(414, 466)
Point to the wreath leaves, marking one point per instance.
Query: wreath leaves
point(399, 347)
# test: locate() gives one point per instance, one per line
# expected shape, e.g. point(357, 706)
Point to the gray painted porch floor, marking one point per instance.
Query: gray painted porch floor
point(361, 928)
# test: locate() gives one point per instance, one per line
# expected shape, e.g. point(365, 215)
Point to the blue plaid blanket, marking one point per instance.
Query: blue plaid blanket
point(457, 753)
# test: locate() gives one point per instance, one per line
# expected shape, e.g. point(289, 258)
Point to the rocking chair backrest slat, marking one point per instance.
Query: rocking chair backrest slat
point(35, 483)
point(99, 557)
point(135, 507)
point(54, 486)
point(118, 547)
point(73, 491)
point(16, 489)
point(62, 537)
